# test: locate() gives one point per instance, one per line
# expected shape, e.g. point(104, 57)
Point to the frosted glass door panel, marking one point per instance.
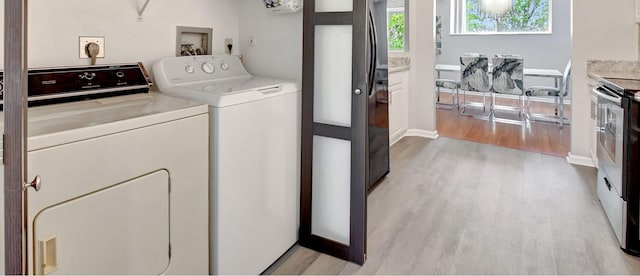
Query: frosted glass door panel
point(334, 5)
point(333, 75)
point(331, 189)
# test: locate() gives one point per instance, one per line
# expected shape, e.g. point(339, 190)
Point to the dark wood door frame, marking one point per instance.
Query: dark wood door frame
point(15, 135)
point(357, 133)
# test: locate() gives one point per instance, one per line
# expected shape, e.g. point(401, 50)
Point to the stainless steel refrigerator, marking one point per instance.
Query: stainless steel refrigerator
point(378, 89)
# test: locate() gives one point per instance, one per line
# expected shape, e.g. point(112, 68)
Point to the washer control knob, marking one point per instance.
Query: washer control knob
point(189, 69)
point(208, 68)
point(120, 74)
point(224, 66)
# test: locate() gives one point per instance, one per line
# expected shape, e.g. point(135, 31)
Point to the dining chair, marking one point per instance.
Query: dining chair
point(453, 86)
point(474, 69)
point(507, 79)
point(550, 91)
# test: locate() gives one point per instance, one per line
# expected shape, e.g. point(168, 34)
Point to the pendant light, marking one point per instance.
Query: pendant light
point(496, 8)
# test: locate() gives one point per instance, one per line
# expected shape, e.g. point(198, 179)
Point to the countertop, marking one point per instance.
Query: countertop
point(625, 74)
point(615, 69)
point(397, 64)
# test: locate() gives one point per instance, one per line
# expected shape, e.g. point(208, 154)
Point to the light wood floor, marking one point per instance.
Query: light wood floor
point(458, 207)
point(534, 136)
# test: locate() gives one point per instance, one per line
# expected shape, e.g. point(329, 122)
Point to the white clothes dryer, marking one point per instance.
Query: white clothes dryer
point(124, 178)
point(255, 145)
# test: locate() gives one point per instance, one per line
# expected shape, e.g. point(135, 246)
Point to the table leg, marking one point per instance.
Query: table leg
point(559, 82)
point(438, 88)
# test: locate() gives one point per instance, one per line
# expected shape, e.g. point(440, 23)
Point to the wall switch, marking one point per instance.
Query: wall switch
point(85, 40)
point(228, 45)
point(252, 41)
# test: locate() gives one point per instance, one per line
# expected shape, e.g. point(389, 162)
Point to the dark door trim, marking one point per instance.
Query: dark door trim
point(15, 135)
point(357, 133)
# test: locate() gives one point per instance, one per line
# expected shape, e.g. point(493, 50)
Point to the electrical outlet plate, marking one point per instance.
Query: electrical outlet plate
point(84, 40)
point(228, 41)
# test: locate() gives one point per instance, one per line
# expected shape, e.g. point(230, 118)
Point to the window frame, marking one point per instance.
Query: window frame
point(405, 11)
point(458, 22)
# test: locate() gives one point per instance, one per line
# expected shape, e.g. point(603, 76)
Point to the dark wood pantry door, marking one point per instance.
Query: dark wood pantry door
point(335, 169)
point(14, 136)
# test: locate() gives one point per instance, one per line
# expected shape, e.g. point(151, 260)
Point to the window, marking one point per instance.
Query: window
point(397, 25)
point(498, 16)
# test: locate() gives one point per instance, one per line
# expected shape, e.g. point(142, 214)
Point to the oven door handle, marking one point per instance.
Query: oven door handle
point(617, 100)
point(607, 183)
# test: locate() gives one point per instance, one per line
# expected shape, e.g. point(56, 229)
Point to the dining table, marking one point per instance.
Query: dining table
point(554, 74)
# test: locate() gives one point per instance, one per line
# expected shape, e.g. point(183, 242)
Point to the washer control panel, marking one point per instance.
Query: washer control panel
point(200, 68)
point(208, 67)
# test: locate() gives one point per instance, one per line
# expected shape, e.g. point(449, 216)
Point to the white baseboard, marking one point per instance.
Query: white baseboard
point(581, 160)
point(422, 133)
point(397, 137)
point(594, 158)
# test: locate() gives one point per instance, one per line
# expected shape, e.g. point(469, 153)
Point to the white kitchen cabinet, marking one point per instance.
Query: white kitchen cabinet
point(398, 105)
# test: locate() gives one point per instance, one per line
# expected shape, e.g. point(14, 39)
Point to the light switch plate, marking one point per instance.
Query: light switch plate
point(84, 40)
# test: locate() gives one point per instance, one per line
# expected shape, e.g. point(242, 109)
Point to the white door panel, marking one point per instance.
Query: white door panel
point(120, 230)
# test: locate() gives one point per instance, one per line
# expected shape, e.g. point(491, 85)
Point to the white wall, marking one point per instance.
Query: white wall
point(538, 50)
point(54, 27)
point(601, 30)
point(278, 49)
point(422, 115)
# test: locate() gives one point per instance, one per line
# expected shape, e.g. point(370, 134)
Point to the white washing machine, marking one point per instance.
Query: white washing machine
point(124, 178)
point(255, 141)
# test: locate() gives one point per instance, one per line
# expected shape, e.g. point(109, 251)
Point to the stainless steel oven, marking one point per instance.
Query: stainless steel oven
point(618, 152)
point(610, 137)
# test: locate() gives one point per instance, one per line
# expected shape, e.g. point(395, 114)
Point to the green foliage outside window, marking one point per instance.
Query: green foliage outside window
point(396, 31)
point(525, 16)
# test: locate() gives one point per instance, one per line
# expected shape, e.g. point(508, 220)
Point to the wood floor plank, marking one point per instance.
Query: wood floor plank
point(300, 259)
point(534, 136)
point(458, 207)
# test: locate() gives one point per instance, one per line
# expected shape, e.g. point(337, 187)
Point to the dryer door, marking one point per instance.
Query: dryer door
point(123, 229)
